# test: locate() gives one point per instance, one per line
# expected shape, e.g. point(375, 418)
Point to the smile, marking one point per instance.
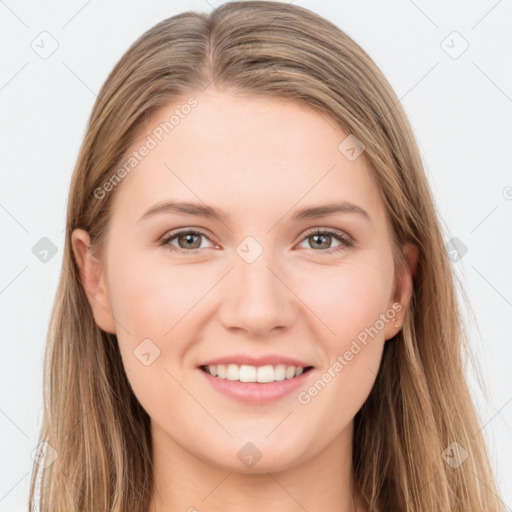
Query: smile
point(248, 373)
point(255, 385)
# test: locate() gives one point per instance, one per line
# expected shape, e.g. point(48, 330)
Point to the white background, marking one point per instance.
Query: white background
point(460, 109)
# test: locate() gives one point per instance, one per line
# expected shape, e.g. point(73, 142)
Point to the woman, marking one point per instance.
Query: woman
point(256, 309)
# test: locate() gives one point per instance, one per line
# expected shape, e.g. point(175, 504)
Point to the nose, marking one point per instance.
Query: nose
point(256, 298)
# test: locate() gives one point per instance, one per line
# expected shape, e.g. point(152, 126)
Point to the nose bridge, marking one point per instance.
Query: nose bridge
point(256, 299)
point(256, 285)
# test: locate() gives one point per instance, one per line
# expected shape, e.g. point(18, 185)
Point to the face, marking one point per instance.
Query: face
point(260, 288)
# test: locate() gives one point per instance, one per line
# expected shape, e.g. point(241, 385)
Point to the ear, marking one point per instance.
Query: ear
point(404, 288)
point(91, 276)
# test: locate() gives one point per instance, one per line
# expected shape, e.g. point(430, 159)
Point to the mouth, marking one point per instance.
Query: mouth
point(255, 374)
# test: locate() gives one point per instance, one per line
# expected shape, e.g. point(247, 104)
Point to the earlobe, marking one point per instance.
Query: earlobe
point(92, 278)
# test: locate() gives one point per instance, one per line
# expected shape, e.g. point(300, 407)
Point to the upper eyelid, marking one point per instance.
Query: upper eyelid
point(309, 232)
point(174, 233)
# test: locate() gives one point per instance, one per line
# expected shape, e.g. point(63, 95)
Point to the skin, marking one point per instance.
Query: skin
point(259, 160)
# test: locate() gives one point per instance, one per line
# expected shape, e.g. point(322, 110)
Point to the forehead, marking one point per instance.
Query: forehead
point(243, 153)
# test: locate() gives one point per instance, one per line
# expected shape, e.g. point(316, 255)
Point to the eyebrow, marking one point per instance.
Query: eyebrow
point(203, 210)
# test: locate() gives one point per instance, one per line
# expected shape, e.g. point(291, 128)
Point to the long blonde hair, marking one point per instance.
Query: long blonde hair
point(420, 404)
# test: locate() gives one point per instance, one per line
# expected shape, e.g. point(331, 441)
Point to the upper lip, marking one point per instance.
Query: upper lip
point(246, 359)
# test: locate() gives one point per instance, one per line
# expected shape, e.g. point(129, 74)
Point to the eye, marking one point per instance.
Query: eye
point(189, 241)
point(187, 238)
point(323, 237)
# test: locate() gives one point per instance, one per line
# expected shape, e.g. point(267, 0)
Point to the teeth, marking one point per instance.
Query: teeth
point(232, 372)
point(279, 372)
point(290, 372)
point(221, 371)
point(246, 373)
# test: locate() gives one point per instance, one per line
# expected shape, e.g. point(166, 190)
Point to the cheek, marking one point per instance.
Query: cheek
point(163, 308)
point(351, 304)
point(348, 299)
point(155, 304)
point(149, 298)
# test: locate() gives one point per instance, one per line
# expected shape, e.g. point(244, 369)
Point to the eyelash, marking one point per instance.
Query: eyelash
point(346, 241)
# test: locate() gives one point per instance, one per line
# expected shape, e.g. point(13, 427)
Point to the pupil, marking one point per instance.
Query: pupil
point(320, 236)
point(189, 238)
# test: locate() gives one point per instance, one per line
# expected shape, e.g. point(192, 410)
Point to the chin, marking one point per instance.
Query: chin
point(256, 456)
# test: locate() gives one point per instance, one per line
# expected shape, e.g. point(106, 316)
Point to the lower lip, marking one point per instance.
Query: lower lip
point(257, 393)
